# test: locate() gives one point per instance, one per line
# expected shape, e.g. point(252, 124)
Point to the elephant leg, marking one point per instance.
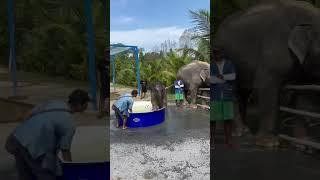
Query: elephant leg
point(194, 95)
point(244, 95)
point(240, 128)
point(241, 111)
point(268, 105)
point(185, 98)
point(154, 104)
point(165, 100)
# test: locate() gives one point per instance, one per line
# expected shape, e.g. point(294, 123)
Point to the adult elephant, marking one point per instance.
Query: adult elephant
point(270, 44)
point(194, 75)
point(158, 96)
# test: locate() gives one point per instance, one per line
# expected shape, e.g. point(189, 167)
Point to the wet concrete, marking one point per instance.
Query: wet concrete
point(175, 149)
point(246, 161)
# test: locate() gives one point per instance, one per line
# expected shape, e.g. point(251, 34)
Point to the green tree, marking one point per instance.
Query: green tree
point(51, 36)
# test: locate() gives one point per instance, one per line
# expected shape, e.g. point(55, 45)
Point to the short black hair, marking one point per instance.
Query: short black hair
point(78, 96)
point(134, 92)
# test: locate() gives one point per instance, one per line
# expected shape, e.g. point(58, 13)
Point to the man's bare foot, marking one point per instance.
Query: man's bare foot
point(124, 127)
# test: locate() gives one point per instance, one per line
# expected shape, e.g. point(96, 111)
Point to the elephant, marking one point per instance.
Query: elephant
point(194, 75)
point(271, 44)
point(158, 96)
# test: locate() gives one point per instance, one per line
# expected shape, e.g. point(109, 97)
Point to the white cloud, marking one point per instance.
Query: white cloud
point(122, 20)
point(146, 38)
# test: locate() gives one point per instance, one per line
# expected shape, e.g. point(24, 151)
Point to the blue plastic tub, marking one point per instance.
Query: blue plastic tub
point(86, 171)
point(137, 120)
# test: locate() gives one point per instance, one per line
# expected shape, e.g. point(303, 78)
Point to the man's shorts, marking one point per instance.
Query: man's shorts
point(179, 96)
point(144, 89)
point(118, 114)
point(221, 110)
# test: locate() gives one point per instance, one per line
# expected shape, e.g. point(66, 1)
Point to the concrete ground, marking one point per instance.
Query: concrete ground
point(246, 161)
point(176, 149)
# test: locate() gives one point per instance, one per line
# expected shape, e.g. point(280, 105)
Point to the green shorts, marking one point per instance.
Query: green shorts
point(179, 96)
point(221, 110)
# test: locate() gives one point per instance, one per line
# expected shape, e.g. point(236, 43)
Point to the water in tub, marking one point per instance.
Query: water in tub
point(142, 107)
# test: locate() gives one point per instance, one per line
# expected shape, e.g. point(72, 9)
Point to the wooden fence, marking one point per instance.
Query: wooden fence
point(304, 142)
point(207, 98)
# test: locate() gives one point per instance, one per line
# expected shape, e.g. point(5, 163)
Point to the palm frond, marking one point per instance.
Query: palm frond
point(202, 20)
point(194, 53)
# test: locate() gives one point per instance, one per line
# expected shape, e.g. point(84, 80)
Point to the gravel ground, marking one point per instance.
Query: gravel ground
point(176, 149)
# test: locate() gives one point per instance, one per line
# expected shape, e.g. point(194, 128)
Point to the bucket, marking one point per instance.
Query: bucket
point(145, 119)
point(86, 171)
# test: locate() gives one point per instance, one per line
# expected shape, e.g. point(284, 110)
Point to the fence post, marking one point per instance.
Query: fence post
point(91, 58)
point(12, 53)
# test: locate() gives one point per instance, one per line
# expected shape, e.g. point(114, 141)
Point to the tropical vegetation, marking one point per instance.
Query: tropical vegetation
point(163, 66)
point(51, 36)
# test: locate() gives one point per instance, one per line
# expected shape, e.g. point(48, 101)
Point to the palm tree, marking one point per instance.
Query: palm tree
point(202, 20)
point(202, 28)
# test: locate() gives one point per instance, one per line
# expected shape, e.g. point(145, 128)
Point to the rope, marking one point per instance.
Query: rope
point(169, 86)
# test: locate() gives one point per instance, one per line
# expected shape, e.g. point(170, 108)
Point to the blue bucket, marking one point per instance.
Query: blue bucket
point(87, 171)
point(137, 120)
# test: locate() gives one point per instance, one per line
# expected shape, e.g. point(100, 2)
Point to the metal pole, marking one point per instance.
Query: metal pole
point(12, 53)
point(104, 2)
point(113, 73)
point(91, 58)
point(138, 68)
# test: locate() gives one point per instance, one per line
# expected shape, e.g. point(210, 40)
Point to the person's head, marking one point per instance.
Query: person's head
point(217, 54)
point(78, 100)
point(134, 93)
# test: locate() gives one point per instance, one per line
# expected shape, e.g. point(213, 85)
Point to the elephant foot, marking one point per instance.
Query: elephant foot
point(240, 131)
point(193, 106)
point(267, 141)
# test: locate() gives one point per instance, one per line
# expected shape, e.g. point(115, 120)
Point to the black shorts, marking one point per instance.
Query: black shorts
point(118, 113)
point(28, 167)
point(144, 89)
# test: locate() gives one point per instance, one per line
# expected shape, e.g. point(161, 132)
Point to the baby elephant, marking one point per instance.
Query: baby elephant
point(158, 96)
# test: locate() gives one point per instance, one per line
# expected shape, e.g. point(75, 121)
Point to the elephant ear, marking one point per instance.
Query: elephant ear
point(299, 41)
point(204, 73)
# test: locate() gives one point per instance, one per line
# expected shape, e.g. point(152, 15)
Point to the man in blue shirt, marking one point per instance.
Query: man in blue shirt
point(123, 106)
point(47, 130)
point(222, 97)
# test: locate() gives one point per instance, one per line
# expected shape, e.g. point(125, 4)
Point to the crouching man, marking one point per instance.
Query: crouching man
point(47, 130)
point(123, 106)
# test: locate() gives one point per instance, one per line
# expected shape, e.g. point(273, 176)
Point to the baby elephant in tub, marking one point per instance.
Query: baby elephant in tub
point(158, 96)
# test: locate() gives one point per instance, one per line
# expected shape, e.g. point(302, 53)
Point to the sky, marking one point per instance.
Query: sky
point(148, 23)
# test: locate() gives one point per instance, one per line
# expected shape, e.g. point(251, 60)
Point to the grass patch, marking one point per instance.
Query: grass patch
point(171, 97)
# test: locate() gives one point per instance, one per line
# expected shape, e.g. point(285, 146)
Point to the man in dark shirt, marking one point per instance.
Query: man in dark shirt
point(103, 79)
point(143, 88)
point(45, 131)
